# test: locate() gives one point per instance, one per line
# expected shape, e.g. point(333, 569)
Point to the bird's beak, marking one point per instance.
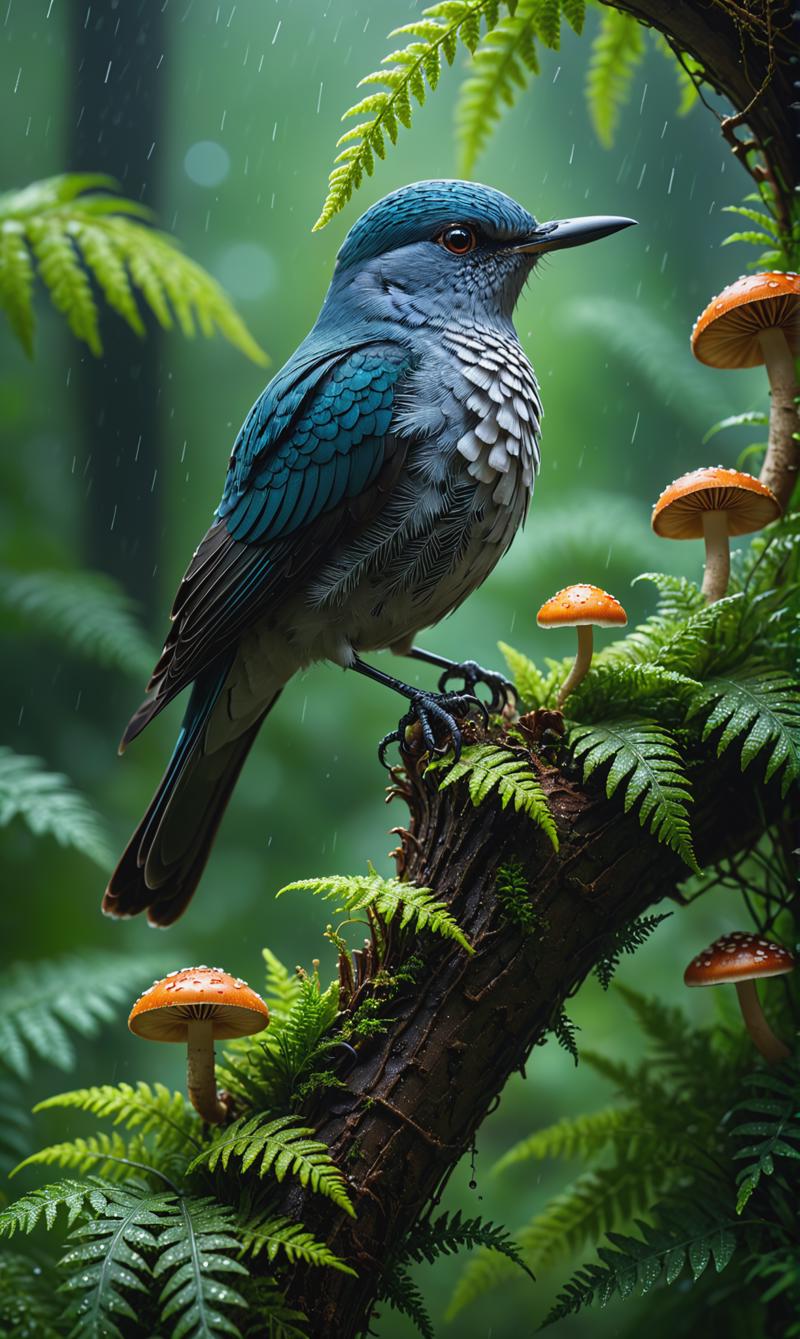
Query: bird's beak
point(571, 232)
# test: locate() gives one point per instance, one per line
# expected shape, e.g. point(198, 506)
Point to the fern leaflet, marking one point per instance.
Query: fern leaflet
point(773, 1118)
point(109, 1155)
point(760, 708)
point(194, 1264)
point(417, 907)
point(573, 1137)
point(74, 227)
point(489, 767)
point(504, 62)
point(617, 50)
point(48, 804)
point(646, 758)
point(281, 1147)
point(29, 1307)
point(43, 1205)
point(275, 1236)
point(148, 1109)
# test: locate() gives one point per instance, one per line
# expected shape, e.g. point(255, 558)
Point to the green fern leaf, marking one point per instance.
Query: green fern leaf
point(488, 768)
point(275, 1237)
point(43, 1205)
point(549, 23)
point(759, 709)
point(281, 1147)
point(86, 611)
point(110, 1156)
point(535, 688)
point(47, 804)
point(74, 229)
point(150, 1110)
point(573, 1137)
point(41, 1002)
point(617, 50)
point(282, 988)
point(627, 939)
point(502, 65)
point(15, 1127)
point(29, 1306)
point(417, 907)
point(574, 12)
point(194, 1266)
point(401, 1292)
point(644, 756)
point(594, 1203)
point(772, 1118)
point(268, 1315)
point(409, 71)
point(633, 1266)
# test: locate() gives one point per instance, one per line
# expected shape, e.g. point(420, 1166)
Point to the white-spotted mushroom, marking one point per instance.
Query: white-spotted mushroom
point(582, 607)
point(197, 1006)
point(741, 959)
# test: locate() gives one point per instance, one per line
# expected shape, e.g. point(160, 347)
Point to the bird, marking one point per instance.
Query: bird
point(372, 487)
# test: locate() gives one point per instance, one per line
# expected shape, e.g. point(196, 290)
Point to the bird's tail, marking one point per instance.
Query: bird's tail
point(162, 863)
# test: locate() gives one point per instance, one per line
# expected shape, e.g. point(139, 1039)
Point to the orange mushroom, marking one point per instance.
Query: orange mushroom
point(757, 320)
point(582, 607)
point(713, 503)
point(199, 1005)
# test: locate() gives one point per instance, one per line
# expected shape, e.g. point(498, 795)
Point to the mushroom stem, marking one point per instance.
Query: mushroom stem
point(582, 662)
point(764, 1039)
point(718, 555)
point(782, 460)
point(201, 1080)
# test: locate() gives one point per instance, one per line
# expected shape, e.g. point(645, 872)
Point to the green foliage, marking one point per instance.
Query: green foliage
point(617, 50)
point(40, 1003)
point(583, 1136)
point(407, 73)
point(149, 1109)
point(493, 768)
point(43, 1205)
point(72, 228)
point(514, 896)
point(274, 1236)
point(644, 756)
point(48, 804)
point(280, 1147)
point(625, 940)
point(772, 1117)
point(403, 1295)
point(84, 611)
point(757, 708)
point(29, 1308)
point(686, 1237)
point(563, 1029)
point(418, 908)
point(535, 688)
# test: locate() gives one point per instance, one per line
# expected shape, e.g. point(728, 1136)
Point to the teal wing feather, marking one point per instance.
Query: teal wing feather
point(314, 459)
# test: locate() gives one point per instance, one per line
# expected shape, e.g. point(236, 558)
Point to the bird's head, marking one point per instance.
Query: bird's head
point(437, 246)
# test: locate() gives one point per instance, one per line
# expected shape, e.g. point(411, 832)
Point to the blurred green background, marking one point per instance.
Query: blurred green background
point(223, 117)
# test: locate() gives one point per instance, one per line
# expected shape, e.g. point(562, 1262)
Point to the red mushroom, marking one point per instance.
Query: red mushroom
point(742, 959)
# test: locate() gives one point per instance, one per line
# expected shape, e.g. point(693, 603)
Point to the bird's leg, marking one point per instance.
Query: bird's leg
point(502, 689)
point(432, 711)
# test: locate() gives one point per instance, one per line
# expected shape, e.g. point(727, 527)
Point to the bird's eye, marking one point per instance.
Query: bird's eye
point(458, 238)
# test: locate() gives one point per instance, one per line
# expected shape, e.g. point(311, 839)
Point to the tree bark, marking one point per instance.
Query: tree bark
point(418, 1093)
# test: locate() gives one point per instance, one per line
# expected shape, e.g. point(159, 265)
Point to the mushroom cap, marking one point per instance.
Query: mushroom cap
point(164, 1011)
point(579, 605)
point(738, 957)
point(749, 504)
point(726, 333)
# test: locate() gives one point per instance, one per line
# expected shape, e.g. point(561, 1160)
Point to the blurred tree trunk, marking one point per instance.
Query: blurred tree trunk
point(116, 127)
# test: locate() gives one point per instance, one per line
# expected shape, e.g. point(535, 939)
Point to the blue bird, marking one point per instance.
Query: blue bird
point(372, 487)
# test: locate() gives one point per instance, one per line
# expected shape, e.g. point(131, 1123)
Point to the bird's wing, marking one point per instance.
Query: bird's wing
point(314, 459)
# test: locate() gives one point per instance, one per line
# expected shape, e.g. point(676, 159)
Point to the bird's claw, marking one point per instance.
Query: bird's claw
point(502, 689)
point(432, 710)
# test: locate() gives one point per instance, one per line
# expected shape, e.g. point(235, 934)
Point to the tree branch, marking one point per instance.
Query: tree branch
point(419, 1092)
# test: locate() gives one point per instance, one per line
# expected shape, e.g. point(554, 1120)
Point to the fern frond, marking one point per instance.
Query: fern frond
point(772, 1118)
point(275, 1236)
point(282, 988)
point(109, 1155)
point(633, 1265)
point(595, 1203)
point(573, 1137)
point(686, 71)
point(642, 754)
point(627, 939)
point(40, 1002)
point(407, 74)
point(44, 1204)
point(74, 228)
point(759, 709)
point(49, 805)
point(563, 1029)
point(268, 1315)
point(150, 1110)
point(515, 898)
point(502, 65)
point(401, 1292)
point(617, 50)
point(280, 1147)
point(15, 1127)
point(488, 768)
point(535, 688)
point(29, 1307)
point(418, 908)
point(194, 1265)
point(85, 611)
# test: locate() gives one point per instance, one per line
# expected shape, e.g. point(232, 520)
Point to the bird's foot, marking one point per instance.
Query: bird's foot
point(472, 674)
point(437, 715)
